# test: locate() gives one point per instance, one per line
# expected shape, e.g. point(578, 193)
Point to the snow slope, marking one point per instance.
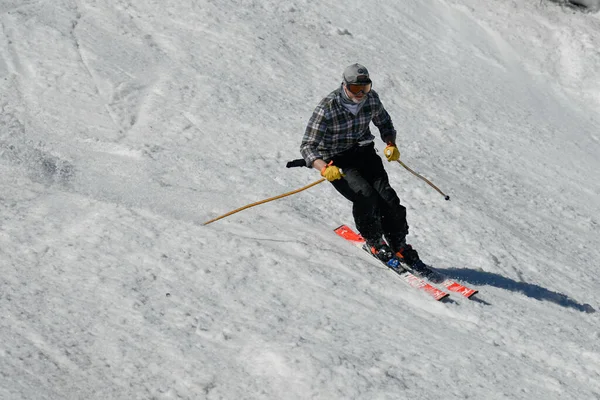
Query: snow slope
point(125, 125)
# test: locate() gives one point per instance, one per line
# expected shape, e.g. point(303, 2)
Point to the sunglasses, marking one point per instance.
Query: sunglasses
point(358, 89)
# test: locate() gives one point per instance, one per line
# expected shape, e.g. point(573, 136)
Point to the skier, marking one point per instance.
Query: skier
point(339, 143)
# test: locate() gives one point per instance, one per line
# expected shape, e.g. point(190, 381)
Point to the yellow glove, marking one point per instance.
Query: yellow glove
point(391, 152)
point(331, 172)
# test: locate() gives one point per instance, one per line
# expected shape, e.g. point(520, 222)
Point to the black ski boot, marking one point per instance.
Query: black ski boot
point(407, 254)
point(380, 249)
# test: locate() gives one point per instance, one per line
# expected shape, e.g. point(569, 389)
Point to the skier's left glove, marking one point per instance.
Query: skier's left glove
point(391, 152)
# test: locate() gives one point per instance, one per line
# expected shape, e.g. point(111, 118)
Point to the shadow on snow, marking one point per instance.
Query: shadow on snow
point(528, 289)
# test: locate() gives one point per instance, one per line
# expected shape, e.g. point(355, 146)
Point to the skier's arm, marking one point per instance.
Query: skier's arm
point(319, 164)
point(383, 122)
point(315, 130)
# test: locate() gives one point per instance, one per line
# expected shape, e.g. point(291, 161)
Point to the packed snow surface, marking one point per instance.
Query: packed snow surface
point(125, 125)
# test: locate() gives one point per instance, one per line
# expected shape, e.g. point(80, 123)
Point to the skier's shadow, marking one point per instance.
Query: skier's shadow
point(528, 289)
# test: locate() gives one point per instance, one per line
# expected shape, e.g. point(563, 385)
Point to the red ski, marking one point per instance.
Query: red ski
point(394, 264)
point(424, 270)
point(420, 268)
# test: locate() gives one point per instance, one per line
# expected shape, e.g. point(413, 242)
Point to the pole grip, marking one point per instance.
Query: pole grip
point(296, 163)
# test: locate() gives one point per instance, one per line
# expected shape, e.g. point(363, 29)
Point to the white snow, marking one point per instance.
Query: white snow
point(125, 125)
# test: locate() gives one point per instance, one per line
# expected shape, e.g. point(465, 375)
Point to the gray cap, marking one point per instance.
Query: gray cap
point(356, 74)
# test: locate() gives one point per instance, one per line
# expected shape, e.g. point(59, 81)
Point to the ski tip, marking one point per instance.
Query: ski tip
point(446, 299)
point(439, 295)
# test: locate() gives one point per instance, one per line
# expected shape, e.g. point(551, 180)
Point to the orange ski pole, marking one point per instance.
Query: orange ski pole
point(264, 201)
point(428, 182)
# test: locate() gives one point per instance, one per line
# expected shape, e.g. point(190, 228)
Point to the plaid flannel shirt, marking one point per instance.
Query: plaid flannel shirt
point(332, 129)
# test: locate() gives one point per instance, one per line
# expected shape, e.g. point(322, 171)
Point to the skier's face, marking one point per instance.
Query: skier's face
point(357, 93)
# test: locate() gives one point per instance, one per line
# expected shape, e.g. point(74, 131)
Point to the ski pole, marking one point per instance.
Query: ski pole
point(428, 182)
point(264, 201)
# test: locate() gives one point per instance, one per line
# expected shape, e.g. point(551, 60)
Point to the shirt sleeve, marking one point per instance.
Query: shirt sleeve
point(313, 136)
point(383, 122)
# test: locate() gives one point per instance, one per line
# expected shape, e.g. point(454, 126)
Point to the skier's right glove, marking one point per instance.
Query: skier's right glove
point(331, 172)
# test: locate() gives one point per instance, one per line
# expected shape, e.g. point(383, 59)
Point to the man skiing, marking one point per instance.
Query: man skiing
point(339, 143)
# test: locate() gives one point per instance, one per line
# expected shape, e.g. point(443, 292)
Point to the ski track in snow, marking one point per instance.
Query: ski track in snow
point(125, 125)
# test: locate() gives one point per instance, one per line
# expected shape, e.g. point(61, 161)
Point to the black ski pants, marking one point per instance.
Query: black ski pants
point(375, 205)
